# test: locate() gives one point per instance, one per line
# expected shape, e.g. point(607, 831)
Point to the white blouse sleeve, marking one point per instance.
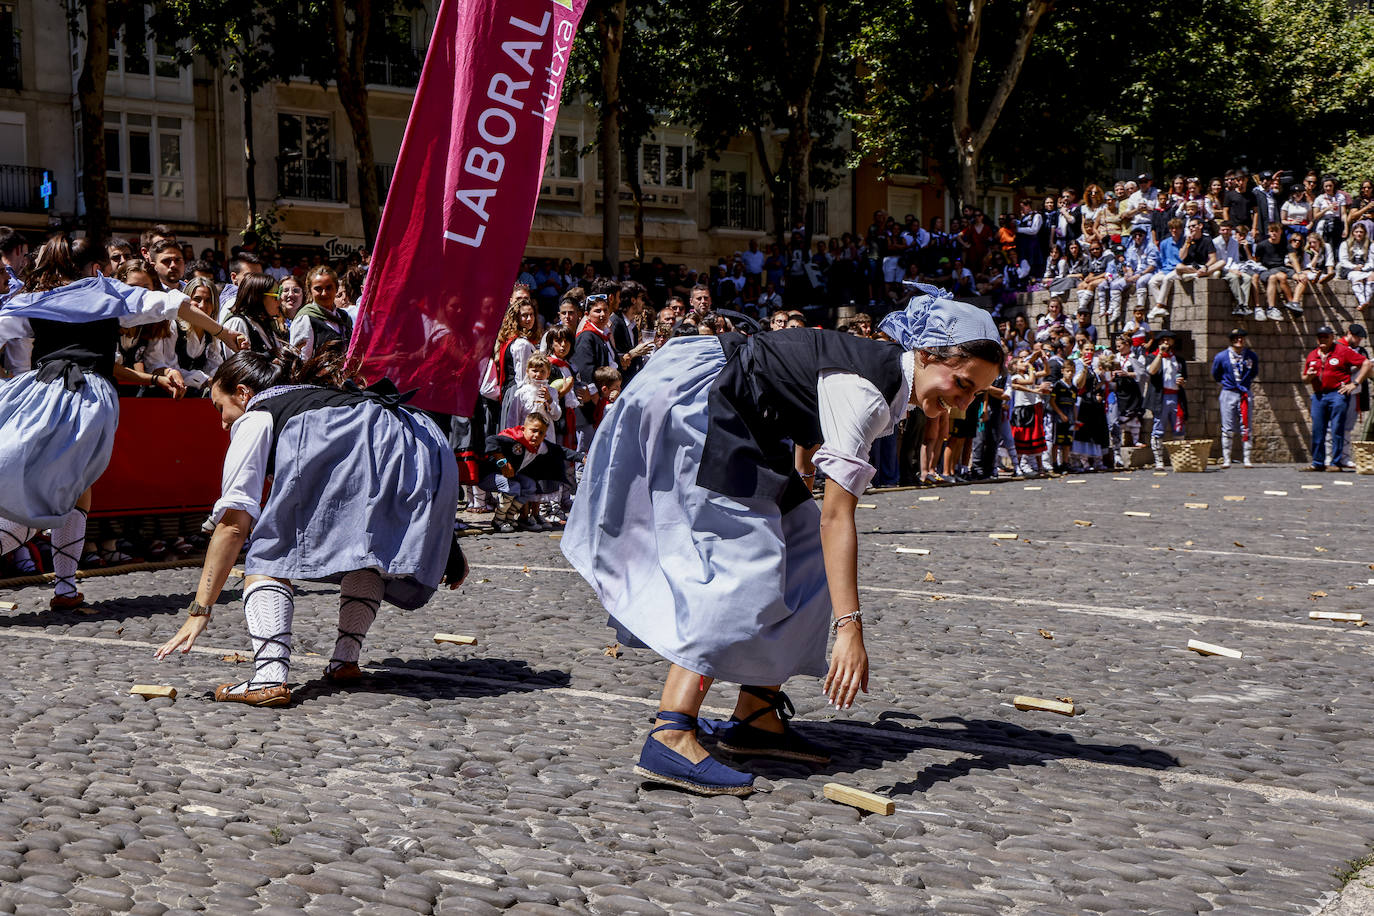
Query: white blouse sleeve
point(301, 337)
point(12, 327)
point(518, 358)
point(853, 415)
point(245, 465)
point(152, 307)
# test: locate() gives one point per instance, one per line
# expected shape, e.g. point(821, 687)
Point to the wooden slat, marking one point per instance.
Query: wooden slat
point(857, 798)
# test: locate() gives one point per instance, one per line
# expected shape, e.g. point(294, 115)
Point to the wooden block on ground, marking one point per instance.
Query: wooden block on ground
point(8, 606)
point(1343, 483)
point(1234, 499)
point(1082, 523)
point(1075, 481)
point(857, 798)
point(148, 691)
point(918, 551)
point(1161, 473)
point(1195, 505)
point(1333, 615)
point(1206, 648)
point(1002, 536)
point(981, 492)
point(1311, 486)
point(1032, 488)
point(1035, 703)
point(557, 535)
point(1121, 478)
point(1275, 492)
point(455, 639)
point(928, 499)
point(1137, 514)
point(865, 505)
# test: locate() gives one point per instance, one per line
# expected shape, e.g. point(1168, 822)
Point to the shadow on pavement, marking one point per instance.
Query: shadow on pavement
point(441, 679)
point(999, 745)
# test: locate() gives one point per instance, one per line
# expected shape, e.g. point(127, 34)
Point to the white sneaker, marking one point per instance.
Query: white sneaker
point(1158, 312)
point(1259, 313)
point(1275, 314)
point(1225, 463)
point(1294, 307)
point(1247, 463)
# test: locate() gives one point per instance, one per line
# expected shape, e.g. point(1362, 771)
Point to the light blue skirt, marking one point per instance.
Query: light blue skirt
point(724, 587)
point(54, 444)
point(359, 487)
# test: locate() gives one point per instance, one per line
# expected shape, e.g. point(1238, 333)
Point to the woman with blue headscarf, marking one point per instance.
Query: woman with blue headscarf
point(704, 543)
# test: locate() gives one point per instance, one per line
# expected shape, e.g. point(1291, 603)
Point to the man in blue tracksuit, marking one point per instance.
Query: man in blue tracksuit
point(1235, 369)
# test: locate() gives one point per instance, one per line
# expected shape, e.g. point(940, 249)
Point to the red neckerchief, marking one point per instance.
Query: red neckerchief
point(587, 325)
point(518, 434)
point(557, 361)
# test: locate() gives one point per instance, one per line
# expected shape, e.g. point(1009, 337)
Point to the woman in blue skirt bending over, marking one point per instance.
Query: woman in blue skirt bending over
point(58, 419)
point(361, 491)
point(704, 543)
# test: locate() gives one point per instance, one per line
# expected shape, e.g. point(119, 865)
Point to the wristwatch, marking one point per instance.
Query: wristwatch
point(196, 609)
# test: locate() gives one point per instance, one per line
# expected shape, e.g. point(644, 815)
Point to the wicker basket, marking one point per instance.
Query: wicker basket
point(1364, 457)
point(1189, 456)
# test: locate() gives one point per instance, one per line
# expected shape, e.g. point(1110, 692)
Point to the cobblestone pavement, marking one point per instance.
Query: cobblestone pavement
point(471, 780)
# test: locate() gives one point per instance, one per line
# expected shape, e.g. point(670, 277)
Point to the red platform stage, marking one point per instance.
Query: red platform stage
point(168, 456)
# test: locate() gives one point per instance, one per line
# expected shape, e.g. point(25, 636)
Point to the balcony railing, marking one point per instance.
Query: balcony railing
point(737, 211)
point(312, 179)
point(751, 211)
point(396, 68)
point(21, 189)
point(11, 76)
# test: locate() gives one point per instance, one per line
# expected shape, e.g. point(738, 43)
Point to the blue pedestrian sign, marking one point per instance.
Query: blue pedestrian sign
point(45, 190)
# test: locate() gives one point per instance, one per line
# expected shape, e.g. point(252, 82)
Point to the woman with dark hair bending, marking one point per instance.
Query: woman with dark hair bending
point(703, 541)
point(57, 421)
point(362, 491)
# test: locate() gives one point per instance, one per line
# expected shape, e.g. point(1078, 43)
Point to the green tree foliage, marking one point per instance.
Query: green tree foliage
point(768, 69)
point(1198, 86)
point(1352, 161)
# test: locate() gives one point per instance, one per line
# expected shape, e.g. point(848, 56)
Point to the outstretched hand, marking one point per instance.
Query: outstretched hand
point(848, 673)
point(185, 637)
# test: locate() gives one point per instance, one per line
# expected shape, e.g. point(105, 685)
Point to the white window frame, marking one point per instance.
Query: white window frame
point(662, 141)
point(553, 162)
point(163, 203)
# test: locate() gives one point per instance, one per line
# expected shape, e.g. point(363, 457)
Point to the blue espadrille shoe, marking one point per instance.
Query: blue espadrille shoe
point(660, 763)
point(740, 737)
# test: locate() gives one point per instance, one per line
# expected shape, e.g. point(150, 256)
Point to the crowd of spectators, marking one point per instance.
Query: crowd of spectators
point(1094, 372)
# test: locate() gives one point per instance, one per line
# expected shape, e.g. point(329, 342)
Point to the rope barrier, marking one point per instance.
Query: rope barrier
point(48, 578)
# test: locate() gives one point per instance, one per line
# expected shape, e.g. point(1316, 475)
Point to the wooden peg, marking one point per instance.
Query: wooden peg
point(149, 691)
point(1121, 478)
point(1082, 523)
point(8, 606)
point(857, 798)
point(1075, 481)
point(557, 535)
point(1234, 499)
point(865, 505)
point(1034, 488)
point(1195, 505)
point(1311, 486)
point(1206, 648)
point(1275, 492)
point(1137, 514)
point(1333, 615)
point(1056, 706)
point(980, 492)
point(455, 639)
point(1002, 536)
point(918, 551)
point(928, 499)
point(1161, 473)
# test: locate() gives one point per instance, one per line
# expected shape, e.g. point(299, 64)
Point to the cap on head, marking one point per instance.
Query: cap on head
point(1135, 229)
point(1357, 330)
point(1325, 331)
point(1144, 176)
point(1238, 334)
point(1084, 310)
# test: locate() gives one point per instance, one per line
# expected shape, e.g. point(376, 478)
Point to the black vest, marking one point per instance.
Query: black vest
point(764, 401)
point(185, 360)
point(90, 345)
point(324, 334)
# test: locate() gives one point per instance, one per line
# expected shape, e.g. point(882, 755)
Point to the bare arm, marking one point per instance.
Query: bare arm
point(848, 673)
point(228, 539)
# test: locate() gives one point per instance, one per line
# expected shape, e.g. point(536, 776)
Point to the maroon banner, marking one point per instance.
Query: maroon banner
point(462, 199)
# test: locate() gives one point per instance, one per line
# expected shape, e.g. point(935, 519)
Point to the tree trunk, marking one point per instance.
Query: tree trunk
point(90, 91)
point(968, 140)
point(351, 79)
point(776, 203)
point(610, 26)
point(804, 43)
point(250, 161)
point(637, 189)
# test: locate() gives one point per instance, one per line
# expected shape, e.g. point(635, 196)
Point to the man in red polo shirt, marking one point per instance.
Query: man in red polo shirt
point(1328, 370)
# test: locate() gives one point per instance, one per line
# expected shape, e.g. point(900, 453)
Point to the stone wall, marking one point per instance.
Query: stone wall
point(1279, 410)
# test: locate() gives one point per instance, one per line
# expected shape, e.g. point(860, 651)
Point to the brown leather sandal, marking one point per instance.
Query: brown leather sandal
point(276, 695)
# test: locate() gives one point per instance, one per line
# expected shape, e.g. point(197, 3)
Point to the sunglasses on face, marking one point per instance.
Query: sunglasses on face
point(598, 297)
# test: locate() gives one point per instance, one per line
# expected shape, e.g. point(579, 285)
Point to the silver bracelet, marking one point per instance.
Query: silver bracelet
point(841, 621)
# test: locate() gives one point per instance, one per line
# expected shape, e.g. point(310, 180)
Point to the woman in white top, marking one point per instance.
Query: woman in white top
point(1357, 263)
point(198, 354)
point(703, 541)
point(256, 314)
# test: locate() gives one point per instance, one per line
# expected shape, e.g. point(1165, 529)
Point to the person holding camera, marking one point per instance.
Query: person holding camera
point(1166, 378)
